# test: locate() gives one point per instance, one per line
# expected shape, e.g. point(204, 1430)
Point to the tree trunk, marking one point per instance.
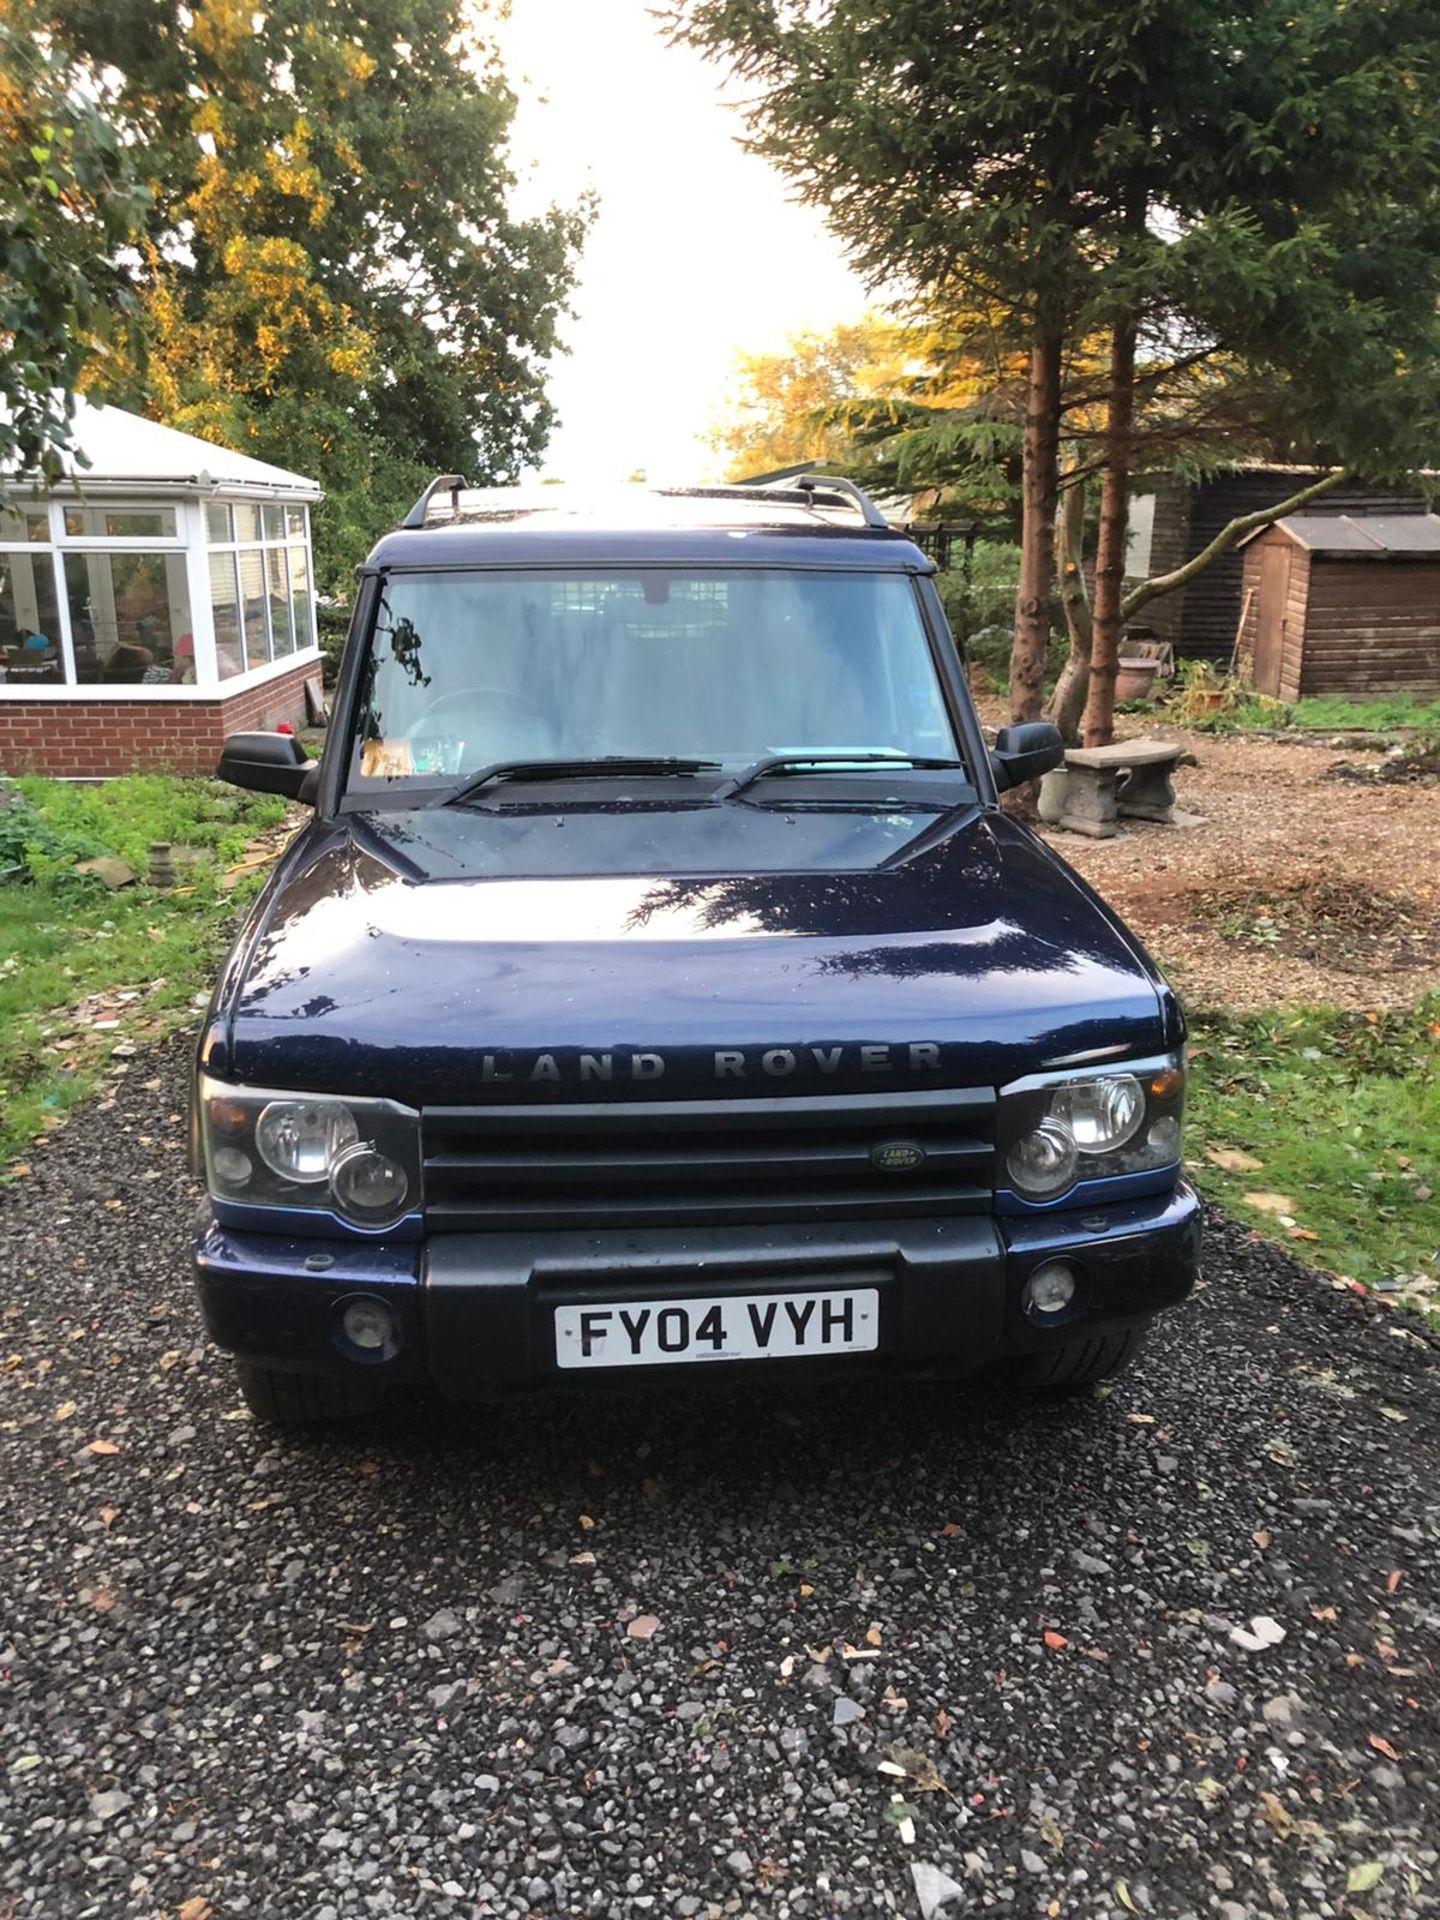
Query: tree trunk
point(1099, 724)
point(1037, 529)
point(1067, 703)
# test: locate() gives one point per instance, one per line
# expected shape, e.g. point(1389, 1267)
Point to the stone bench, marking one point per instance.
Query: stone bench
point(1096, 794)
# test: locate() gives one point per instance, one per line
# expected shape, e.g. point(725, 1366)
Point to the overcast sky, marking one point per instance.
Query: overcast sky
point(696, 251)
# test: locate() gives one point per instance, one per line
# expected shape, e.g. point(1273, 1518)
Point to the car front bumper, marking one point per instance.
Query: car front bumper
point(475, 1313)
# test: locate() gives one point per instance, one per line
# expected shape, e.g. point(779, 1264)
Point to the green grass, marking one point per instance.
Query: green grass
point(65, 938)
point(1342, 1111)
point(1327, 715)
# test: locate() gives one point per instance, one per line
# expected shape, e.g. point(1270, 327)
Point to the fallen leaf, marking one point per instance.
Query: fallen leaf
point(103, 1447)
point(109, 1515)
point(104, 1600)
point(1354, 1659)
point(1365, 1876)
point(1122, 1894)
point(1232, 1160)
point(896, 1702)
point(66, 1411)
point(917, 1768)
point(872, 1637)
point(585, 1523)
point(1141, 1419)
point(1261, 1537)
point(582, 1559)
point(642, 1626)
point(1301, 1233)
point(1055, 1641)
point(1275, 1814)
point(1268, 1202)
point(197, 1907)
point(1393, 1413)
point(1322, 1613)
point(806, 1593)
point(1382, 1745)
point(943, 1724)
point(1392, 1581)
point(170, 1359)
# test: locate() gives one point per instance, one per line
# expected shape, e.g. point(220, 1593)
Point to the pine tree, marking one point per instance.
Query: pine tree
point(1200, 181)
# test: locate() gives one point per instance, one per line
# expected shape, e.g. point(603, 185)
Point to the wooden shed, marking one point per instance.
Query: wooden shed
point(1338, 603)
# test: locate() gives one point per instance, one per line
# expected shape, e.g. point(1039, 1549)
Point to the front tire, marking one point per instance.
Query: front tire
point(1077, 1364)
point(306, 1399)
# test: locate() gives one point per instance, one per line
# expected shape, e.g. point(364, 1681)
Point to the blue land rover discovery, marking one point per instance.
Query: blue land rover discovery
point(659, 984)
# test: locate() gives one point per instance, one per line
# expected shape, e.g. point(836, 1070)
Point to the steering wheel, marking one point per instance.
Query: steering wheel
point(474, 698)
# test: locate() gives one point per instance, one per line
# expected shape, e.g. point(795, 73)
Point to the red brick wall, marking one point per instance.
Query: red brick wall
point(92, 738)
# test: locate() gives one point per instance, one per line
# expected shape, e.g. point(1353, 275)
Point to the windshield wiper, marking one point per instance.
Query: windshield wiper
point(612, 763)
point(801, 762)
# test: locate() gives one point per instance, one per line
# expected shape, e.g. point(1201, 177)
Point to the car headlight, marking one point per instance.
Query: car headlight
point(1058, 1129)
point(302, 1139)
point(355, 1158)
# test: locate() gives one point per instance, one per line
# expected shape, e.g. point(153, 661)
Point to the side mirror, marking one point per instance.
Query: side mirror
point(1024, 753)
point(268, 763)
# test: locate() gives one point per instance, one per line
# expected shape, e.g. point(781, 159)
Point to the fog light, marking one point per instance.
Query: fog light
point(1163, 1138)
point(1049, 1290)
point(369, 1186)
point(369, 1324)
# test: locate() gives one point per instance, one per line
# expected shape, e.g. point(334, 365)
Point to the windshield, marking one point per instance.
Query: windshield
point(468, 669)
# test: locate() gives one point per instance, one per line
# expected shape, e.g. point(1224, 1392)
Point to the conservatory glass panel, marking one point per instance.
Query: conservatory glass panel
point(123, 521)
point(278, 583)
point(30, 649)
point(130, 619)
point(30, 525)
point(252, 603)
point(225, 605)
point(247, 522)
point(219, 527)
point(300, 595)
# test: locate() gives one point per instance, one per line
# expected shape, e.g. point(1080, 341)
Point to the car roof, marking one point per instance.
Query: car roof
point(648, 526)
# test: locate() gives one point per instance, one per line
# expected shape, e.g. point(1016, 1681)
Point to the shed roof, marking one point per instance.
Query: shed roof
point(126, 448)
point(1361, 534)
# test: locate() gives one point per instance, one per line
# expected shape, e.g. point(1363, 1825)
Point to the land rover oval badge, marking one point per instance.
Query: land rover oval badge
point(897, 1156)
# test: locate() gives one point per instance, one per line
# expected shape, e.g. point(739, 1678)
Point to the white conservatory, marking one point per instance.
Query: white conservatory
point(158, 598)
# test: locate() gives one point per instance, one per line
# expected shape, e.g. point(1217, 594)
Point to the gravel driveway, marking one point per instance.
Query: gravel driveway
point(628, 1657)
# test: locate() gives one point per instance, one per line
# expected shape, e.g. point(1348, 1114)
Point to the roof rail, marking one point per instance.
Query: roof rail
point(831, 483)
point(451, 483)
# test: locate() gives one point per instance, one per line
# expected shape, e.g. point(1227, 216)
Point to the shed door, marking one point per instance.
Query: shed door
point(1270, 608)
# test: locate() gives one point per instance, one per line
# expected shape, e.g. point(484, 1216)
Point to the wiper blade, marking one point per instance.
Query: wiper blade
point(613, 763)
point(801, 762)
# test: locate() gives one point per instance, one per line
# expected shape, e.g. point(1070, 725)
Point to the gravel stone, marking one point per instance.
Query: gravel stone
point(220, 1688)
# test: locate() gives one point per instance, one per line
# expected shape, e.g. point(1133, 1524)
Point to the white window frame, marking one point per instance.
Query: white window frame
point(191, 537)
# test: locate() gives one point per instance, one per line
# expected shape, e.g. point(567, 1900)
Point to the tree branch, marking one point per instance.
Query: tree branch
point(1226, 538)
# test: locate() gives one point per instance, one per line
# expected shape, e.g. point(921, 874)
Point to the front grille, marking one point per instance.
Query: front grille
point(706, 1162)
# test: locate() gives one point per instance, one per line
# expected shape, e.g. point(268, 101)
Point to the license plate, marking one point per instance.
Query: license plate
point(756, 1326)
